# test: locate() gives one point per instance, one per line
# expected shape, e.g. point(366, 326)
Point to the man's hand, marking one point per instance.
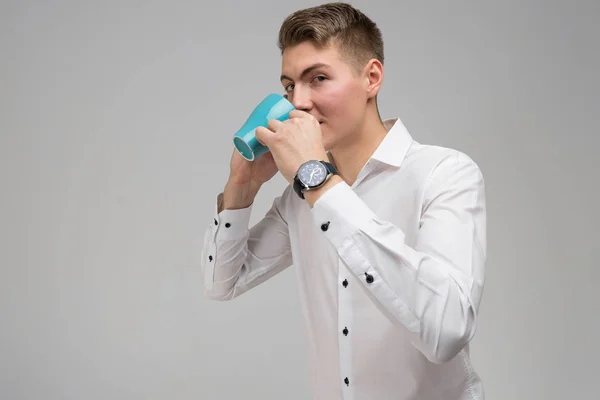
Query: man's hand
point(293, 142)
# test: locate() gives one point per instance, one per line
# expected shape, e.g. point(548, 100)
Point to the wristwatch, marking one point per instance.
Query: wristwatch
point(312, 175)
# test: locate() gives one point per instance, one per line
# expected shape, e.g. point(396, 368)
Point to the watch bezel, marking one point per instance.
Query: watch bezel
point(306, 186)
point(301, 187)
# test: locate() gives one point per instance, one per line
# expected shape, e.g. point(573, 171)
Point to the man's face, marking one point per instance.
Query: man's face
point(318, 81)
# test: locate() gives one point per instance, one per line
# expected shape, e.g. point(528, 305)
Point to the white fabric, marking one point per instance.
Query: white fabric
point(414, 221)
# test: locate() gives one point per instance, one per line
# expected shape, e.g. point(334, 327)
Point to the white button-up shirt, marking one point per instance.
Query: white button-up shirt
point(390, 271)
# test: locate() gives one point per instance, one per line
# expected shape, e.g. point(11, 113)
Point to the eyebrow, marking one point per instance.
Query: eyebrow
point(305, 72)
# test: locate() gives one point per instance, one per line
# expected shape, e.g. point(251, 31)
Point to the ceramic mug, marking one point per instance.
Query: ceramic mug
point(274, 106)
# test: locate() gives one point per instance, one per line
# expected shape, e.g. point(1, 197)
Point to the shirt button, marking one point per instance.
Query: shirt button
point(345, 331)
point(369, 278)
point(227, 225)
point(209, 258)
point(216, 223)
point(347, 381)
point(325, 226)
point(345, 283)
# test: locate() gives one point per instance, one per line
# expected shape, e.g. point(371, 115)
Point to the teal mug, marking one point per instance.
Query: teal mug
point(274, 106)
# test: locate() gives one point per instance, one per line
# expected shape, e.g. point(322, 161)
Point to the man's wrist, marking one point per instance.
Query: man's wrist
point(236, 196)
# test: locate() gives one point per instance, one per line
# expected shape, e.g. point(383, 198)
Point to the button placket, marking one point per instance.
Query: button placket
point(344, 320)
point(345, 331)
point(345, 328)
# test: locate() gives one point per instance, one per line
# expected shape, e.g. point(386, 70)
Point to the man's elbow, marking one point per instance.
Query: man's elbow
point(217, 296)
point(450, 344)
point(447, 352)
point(219, 292)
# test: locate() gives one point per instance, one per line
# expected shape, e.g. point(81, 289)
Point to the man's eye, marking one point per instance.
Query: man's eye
point(289, 87)
point(320, 78)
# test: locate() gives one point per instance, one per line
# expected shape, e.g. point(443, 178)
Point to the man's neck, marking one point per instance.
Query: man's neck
point(350, 159)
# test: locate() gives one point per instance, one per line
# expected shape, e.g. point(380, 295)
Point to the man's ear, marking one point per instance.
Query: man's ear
point(373, 74)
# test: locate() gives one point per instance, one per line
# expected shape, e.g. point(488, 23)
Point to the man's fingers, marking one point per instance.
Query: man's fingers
point(299, 114)
point(274, 124)
point(263, 134)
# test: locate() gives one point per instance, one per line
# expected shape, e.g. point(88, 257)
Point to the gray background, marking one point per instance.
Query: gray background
point(116, 121)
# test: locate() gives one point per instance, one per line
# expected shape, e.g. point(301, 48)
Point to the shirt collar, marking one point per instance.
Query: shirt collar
point(395, 144)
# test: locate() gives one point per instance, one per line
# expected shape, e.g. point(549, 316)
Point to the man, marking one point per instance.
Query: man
point(389, 239)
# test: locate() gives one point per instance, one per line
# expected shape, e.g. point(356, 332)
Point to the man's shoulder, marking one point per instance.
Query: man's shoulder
point(434, 167)
point(435, 157)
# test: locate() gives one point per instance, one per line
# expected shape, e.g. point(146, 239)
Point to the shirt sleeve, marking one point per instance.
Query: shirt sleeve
point(432, 289)
point(236, 258)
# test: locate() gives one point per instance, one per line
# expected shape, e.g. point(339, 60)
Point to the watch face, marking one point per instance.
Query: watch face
point(312, 173)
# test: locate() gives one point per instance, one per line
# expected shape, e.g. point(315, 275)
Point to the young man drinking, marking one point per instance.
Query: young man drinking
point(388, 236)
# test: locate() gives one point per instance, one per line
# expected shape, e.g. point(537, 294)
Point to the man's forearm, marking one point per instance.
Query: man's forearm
point(238, 196)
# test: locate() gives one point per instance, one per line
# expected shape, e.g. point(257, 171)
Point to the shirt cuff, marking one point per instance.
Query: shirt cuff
point(230, 224)
point(340, 213)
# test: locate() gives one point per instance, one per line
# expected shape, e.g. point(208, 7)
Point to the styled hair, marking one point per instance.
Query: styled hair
point(357, 37)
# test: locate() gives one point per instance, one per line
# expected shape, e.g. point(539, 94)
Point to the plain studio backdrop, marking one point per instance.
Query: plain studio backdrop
point(116, 121)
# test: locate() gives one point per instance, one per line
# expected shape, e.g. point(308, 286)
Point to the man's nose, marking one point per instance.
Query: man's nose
point(301, 99)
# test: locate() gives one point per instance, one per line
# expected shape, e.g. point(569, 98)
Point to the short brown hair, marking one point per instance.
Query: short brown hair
point(357, 36)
